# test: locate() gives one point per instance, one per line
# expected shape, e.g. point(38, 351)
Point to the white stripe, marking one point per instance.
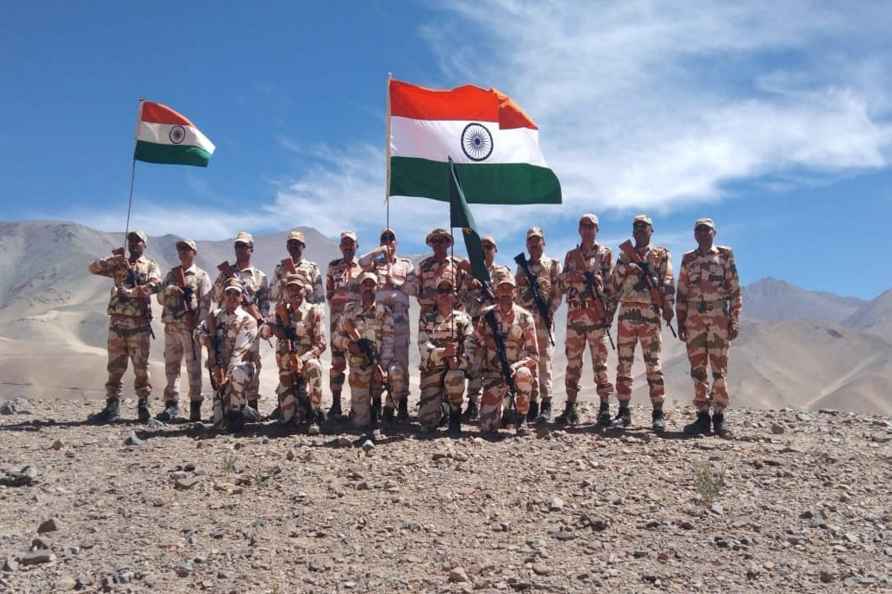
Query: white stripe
point(439, 139)
point(160, 134)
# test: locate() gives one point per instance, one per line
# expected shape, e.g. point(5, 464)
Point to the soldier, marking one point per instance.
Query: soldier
point(185, 296)
point(642, 277)
point(429, 271)
point(708, 308)
point(517, 333)
point(588, 317)
point(129, 328)
point(477, 297)
point(256, 300)
point(365, 331)
point(341, 291)
point(230, 333)
point(299, 328)
point(394, 278)
point(296, 263)
point(547, 272)
point(446, 347)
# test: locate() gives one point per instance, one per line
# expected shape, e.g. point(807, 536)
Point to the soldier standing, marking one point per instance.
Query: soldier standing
point(584, 282)
point(545, 272)
point(506, 333)
point(446, 347)
point(440, 265)
point(185, 296)
point(394, 277)
point(365, 331)
point(642, 284)
point(230, 334)
point(255, 295)
point(130, 323)
point(299, 328)
point(708, 308)
point(341, 291)
point(296, 263)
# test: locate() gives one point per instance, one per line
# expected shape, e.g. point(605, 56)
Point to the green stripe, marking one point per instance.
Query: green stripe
point(171, 154)
point(504, 183)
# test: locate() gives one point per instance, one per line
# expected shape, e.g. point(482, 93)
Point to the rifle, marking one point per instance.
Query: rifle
point(132, 279)
point(190, 316)
point(216, 369)
point(593, 288)
point(369, 351)
point(648, 279)
point(294, 381)
point(247, 297)
point(502, 354)
point(535, 291)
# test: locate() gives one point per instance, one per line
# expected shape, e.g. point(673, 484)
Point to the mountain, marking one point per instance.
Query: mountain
point(874, 316)
point(775, 300)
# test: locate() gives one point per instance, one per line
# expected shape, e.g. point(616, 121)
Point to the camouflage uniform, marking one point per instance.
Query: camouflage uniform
point(309, 270)
point(179, 325)
point(376, 324)
point(709, 300)
point(639, 321)
point(341, 291)
point(130, 319)
point(587, 320)
point(476, 299)
point(519, 329)
point(438, 380)
point(548, 272)
point(307, 322)
point(394, 278)
point(236, 333)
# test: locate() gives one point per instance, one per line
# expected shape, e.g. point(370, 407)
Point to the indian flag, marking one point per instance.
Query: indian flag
point(166, 136)
point(494, 144)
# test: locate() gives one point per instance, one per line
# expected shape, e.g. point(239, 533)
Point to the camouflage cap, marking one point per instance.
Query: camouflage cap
point(387, 231)
point(438, 232)
point(446, 280)
point(503, 277)
point(297, 279)
point(366, 276)
point(349, 235)
point(140, 234)
point(244, 237)
point(489, 239)
point(535, 232)
point(296, 235)
point(589, 217)
point(189, 244)
point(705, 222)
point(232, 284)
point(643, 218)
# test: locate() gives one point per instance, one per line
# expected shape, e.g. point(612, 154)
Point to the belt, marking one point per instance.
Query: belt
point(130, 331)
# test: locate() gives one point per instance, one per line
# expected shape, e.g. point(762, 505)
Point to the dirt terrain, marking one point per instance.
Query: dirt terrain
point(794, 501)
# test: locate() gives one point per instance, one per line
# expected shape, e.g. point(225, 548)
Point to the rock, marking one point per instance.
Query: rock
point(66, 582)
point(10, 564)
point(23, 477)
point(37, 558)
point(458, 575)
point(57, 445)
point(826, 577)
point(556, 504)
point(289, 455)
point(40, 543)
point(50, 525)
point(184, 569)
point(133, 440)
point(184, 484)
point(340, 442)
point(541, 569)
point(155, 425)
point(16, 406)
point(777, 429)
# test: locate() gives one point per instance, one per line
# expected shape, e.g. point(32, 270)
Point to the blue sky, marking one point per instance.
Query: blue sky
point(773, 118)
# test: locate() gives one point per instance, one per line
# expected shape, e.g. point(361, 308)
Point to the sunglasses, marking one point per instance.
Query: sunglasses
point(444, 290)
point(388, 238)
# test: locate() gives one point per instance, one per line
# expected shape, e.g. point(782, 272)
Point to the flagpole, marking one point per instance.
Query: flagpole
point(387, 150)
point(132, 172)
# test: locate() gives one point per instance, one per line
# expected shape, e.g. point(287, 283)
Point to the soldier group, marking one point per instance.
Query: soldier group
point(493, 342)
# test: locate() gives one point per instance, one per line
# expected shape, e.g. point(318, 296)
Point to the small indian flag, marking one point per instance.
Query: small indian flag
point(494, 144)
point(166, 136)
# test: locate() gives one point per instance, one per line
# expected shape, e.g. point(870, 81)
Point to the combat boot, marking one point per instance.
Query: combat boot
point(316, 422)
point(403, 410)
point(508, 416)
point(335, 411)
point(142, 410)
point(195, 411)
point(718, 425)
point(604, 414)
point(170, 412)
point(276, 415)
point(658, 422)
point(533, 413)
point(235, 421)
point(455, 423)
point(520, 426)
point(699, 426)
point(255, 404)
point(569, 416)
point(471, 412)
point(388, 414)
point(109, 414)
point(544, 415)
point(623, 417)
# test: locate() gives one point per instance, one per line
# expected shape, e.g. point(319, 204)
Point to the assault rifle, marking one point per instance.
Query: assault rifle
point(368, 349)
point(648, 279)
point(133, 280)
point(502, 354)
point(190, 316)
point(216, 367)
point(536, 292)
point(293, 381)
point(593, 288)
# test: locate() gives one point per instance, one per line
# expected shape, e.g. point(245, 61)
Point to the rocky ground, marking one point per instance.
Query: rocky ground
point(794, 502)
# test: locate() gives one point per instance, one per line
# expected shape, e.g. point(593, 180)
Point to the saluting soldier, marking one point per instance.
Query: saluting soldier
point(341, 291)
point(708, 307)
point(130, 323)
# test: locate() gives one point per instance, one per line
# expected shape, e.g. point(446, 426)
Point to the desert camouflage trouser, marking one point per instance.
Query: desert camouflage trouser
point(542, 387)
point(235, 392)
point(401, 347)
point(475, 373)
point(437, 384)
point(295, 387)
point(179, 344)
point(638, 322)
point(578, 335)
point(708, 346)
point(494, 396)
point(336, 373)
point(128, 339)
point(365, 385)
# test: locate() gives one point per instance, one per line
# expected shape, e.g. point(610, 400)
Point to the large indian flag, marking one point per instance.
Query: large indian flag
point(494, 144)
point(166, 136)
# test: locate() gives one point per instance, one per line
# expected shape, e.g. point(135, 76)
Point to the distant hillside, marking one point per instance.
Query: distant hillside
point(874, 317)
point(775, 300)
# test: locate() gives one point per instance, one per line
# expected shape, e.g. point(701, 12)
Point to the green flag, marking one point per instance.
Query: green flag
point(460, 216)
